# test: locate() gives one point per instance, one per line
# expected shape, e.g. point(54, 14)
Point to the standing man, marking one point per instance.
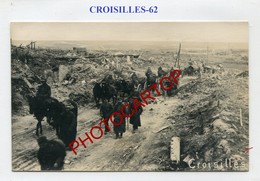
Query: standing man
point(135, 119)
point(43, 95)
point(55, 70)
point(148, 72)
point(119, 122)
point(68, 125)
point(105, 111)
point(44, 90)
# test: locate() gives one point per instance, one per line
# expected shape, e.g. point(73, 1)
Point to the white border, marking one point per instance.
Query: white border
point(169, 10)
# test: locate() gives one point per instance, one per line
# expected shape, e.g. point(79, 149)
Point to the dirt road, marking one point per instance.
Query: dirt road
point(134, 152)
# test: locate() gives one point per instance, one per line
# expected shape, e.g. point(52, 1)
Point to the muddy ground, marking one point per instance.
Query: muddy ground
point(146, 150)
point(135, 151)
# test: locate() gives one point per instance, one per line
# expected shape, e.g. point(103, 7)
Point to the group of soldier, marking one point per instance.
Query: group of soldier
point(119, 126)
point(51, 153)
point(107, 108)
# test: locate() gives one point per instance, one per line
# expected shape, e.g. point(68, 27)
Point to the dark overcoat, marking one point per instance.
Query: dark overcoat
point(44, 91)
point(68, 127)
point(135, 118)
point(106, 109)
point(122, 127)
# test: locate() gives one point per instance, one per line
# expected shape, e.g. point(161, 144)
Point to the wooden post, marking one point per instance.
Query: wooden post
point(34, 44)
point(178, 57)
point(175, 149)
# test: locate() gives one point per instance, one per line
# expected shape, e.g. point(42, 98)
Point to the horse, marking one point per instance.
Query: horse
point(41, 108)
point(126, 87)
point(108, 92)
point(97, 92)
point(65, 120)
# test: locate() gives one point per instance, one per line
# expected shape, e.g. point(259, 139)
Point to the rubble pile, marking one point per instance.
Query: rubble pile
point(80, 78)
point(23, 82)
point(19, 92)
point(212, 122)
point(77, 72)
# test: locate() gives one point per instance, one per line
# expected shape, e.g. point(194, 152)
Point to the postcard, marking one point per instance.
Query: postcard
point(130, 96)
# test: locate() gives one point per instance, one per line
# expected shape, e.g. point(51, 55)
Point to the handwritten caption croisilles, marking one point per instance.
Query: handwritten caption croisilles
point(123, 9)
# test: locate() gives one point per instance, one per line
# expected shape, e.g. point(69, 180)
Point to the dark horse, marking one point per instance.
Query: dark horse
point(65, 120)
point(97, 92)
point(104, 91)
point(41, 108)
point(126, 87)
point(108, 92)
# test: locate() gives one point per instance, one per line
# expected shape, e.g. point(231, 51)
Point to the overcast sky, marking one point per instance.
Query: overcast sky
point(186, 31)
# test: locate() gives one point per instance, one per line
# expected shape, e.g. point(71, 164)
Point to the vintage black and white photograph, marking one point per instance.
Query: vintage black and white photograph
point(130, 96)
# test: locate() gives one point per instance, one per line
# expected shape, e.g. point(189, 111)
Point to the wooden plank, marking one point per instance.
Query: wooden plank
point(16, 77)
point(162, 128)
point(27, 83)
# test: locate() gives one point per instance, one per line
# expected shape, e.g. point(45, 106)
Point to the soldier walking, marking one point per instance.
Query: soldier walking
point(119, 121)
point(105, 111)
point(135, 119)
